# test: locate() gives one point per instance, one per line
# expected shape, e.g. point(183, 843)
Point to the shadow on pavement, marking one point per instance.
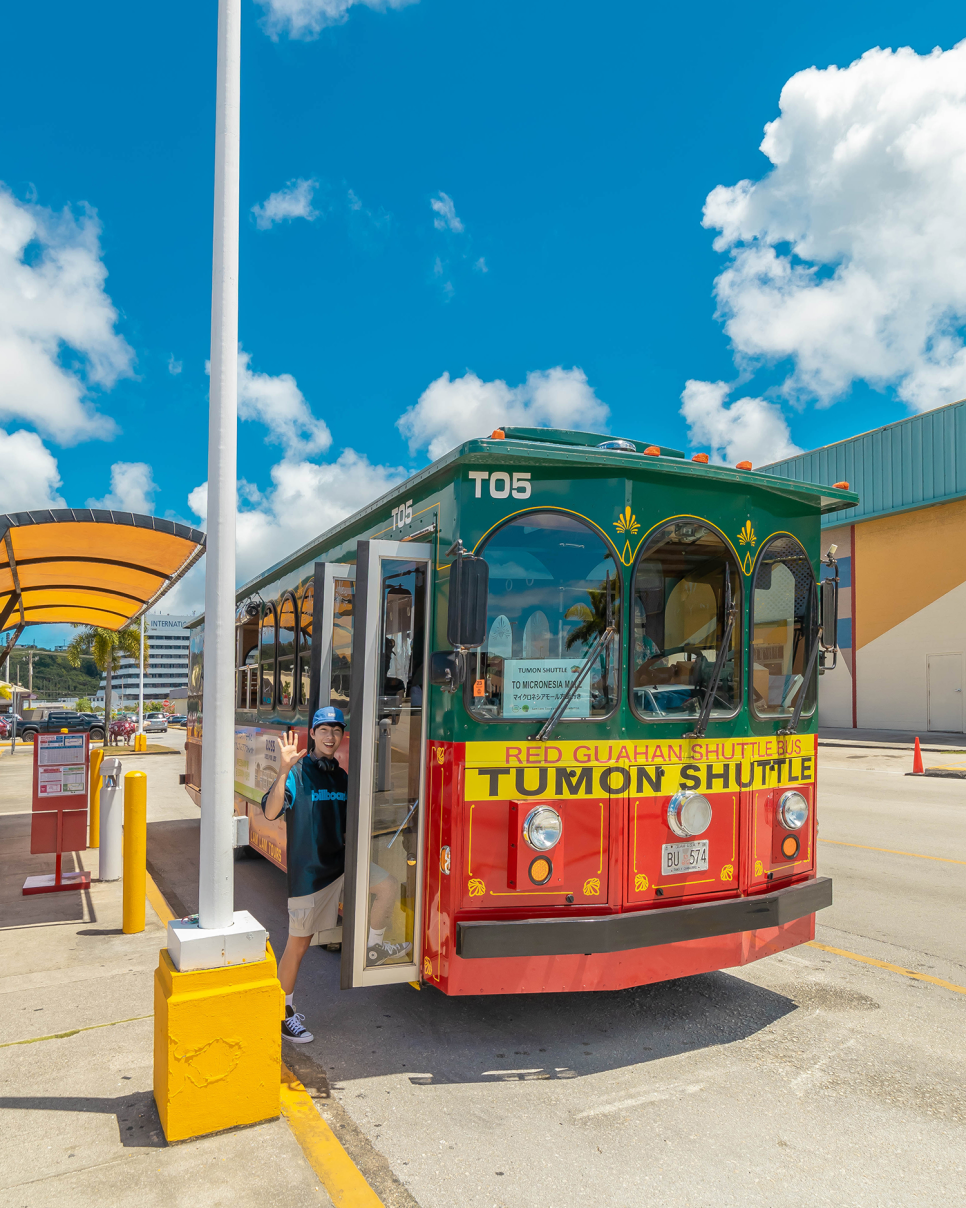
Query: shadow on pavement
point(138, 1125)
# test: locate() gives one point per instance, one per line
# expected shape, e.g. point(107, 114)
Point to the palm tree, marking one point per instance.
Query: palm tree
point(106, 646)
point(594, 618)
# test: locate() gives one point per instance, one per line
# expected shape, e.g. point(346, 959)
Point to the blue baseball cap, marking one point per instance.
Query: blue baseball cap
point(328, 716)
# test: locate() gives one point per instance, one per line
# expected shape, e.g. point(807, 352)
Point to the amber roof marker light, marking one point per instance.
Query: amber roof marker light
point(497, 434)
point(840, 486)
point(743, 465)
point(700, 458)
point(652, 451)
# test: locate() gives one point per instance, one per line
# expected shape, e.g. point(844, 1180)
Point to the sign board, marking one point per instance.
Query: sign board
point(533, 687)
point(61, 767)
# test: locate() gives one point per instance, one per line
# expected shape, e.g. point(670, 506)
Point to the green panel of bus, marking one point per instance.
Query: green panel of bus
point(580, 678)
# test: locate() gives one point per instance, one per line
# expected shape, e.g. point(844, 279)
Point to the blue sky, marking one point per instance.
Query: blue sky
point(569, 150)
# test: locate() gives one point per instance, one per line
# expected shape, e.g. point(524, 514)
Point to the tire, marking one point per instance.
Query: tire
point(27, 735)
point(96, 735)
point(245, 853)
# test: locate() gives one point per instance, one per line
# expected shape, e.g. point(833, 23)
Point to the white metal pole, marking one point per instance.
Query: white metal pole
point(141, 683)
point(216, 872)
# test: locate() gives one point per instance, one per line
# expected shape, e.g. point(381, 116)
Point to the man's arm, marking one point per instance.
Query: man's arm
point(289, 757)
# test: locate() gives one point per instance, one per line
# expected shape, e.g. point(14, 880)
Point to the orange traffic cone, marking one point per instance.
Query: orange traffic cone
point(917, 768)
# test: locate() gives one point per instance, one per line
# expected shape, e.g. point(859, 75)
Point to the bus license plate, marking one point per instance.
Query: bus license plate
point(684, 857)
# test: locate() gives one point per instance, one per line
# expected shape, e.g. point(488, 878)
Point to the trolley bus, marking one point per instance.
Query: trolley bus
point(580, 676)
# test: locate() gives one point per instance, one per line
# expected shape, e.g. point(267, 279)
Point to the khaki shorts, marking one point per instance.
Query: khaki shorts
point(319, 911)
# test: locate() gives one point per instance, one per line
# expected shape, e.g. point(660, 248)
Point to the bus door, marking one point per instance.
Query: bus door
point(384, 831)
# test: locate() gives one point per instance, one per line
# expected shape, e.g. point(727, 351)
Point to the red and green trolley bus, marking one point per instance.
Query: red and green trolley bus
point(580, 675)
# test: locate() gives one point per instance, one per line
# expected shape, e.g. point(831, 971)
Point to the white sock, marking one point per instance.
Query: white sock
point(376, 937)
point(288, 1000)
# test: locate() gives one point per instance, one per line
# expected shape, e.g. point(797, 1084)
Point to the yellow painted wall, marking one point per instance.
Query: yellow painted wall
point(904, 563)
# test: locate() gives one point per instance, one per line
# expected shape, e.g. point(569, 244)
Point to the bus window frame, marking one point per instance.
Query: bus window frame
point(261, 707)
point(739, 595)
point(243, 670)
point(303, 653)
point(617, 645)
point(807, 711)
point(297, 616)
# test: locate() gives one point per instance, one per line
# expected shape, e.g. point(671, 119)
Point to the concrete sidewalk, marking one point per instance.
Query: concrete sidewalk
point(79, 1124)
point(904, 739)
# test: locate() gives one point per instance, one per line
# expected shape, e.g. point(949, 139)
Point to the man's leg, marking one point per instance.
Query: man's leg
point(383, 898)
point(288, 966)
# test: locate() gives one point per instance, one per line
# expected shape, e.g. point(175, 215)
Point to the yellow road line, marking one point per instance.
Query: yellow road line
point(868, 960)
point(337, 1172)
point(890, 852)
point(91, 1027)
point(157, 900)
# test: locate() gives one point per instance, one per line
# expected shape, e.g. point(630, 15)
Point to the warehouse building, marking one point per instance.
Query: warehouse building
point(902, 566)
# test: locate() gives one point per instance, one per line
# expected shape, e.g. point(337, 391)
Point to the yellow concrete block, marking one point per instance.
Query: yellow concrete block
point(217, 1046)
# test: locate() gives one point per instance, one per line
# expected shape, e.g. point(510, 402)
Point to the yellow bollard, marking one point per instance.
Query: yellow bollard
point(95, 798)
point(135, 849)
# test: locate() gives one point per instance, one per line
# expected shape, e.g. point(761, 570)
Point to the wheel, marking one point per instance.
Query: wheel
point(27, 735)
point(97, 735)
point(245, 853)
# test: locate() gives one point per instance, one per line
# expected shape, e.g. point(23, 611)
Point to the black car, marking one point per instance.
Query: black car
point(63, 719)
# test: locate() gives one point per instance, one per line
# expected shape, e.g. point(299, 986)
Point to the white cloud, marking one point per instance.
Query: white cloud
point(750, 429)
point(848, 257)
point(446, 218)
point(174, 367)
point(29, 477)
point(307, 18)
point(451, 411)
point(294, 201)
point(57, 336)
point(480, 265)
point(278, 403)
point(305, 499)
point(132, 488)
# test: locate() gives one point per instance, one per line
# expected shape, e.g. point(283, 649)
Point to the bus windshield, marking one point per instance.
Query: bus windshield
point(685, 581)
point(553, 587)
point(785, 627)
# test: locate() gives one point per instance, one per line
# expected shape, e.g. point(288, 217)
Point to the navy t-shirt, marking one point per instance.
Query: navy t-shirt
point(314, 812)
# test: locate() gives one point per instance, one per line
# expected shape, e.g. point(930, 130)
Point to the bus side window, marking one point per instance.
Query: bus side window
point(304, 671)
point(266, 694)
point(287, 638)
point(246, 653)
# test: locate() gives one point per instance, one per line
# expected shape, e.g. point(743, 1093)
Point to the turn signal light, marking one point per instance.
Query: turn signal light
point(701, 457)
point(840, 486)
point(743, 465)
point(790, 847)
point(497, 434)
point(653, 451)
point(540, 870)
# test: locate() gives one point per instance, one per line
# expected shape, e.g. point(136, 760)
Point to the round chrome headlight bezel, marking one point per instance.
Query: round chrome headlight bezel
point(689, 814)
point(793, 810)
point(543, 828)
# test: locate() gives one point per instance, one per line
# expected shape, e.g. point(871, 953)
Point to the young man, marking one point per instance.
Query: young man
point(311, 791)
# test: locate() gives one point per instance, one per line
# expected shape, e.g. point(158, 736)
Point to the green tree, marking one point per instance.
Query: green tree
point(106, 647)
point(85, 705)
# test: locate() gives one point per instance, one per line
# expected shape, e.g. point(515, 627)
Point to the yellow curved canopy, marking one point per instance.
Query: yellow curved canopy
point(89, 567)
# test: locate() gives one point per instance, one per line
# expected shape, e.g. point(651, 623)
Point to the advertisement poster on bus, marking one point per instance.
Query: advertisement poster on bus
point(256, 761)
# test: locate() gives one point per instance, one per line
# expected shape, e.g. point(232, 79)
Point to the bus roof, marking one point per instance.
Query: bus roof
point(550, 446)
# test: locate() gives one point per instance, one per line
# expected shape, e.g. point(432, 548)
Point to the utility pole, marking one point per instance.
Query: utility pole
point(141, 683)
point(30, 673)
point(216, 871)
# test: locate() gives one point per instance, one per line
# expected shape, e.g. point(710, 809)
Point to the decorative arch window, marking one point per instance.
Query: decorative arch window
point(246, 654)
point(286, 644)
point(306, 612)
point(554, 585)
point(784, 626)
point(266, 658)
point(686, 580)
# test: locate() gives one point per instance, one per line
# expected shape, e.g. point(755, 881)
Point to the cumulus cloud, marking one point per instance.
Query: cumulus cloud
point(132, 488)
point(451, 411)
point(480, 265)
point(304, 500)
point(294, 201)
point(446, 218)
point(29, 477)
point(306, 19)
point(848, 258)
point(174, 367)
point(57, 323)
point(749, 429)
point(278, 403)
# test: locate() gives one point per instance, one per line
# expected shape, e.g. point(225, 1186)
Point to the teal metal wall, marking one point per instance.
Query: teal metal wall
point(911, 464)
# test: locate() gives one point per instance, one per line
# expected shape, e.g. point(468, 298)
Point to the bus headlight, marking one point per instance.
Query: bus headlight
point(688, 814)
point(792, 810)
point(543, 828)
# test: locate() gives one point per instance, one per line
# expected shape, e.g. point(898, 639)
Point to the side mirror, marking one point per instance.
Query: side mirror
point(469, 582)
point(830, 613)
point(447, 669)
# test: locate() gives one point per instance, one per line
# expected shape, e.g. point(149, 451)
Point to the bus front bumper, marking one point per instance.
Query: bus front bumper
point(642, 928)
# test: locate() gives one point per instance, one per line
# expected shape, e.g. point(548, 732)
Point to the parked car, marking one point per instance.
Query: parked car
point(5, 722)
point(178, 719)
point(155, 723)
point(65, 719)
